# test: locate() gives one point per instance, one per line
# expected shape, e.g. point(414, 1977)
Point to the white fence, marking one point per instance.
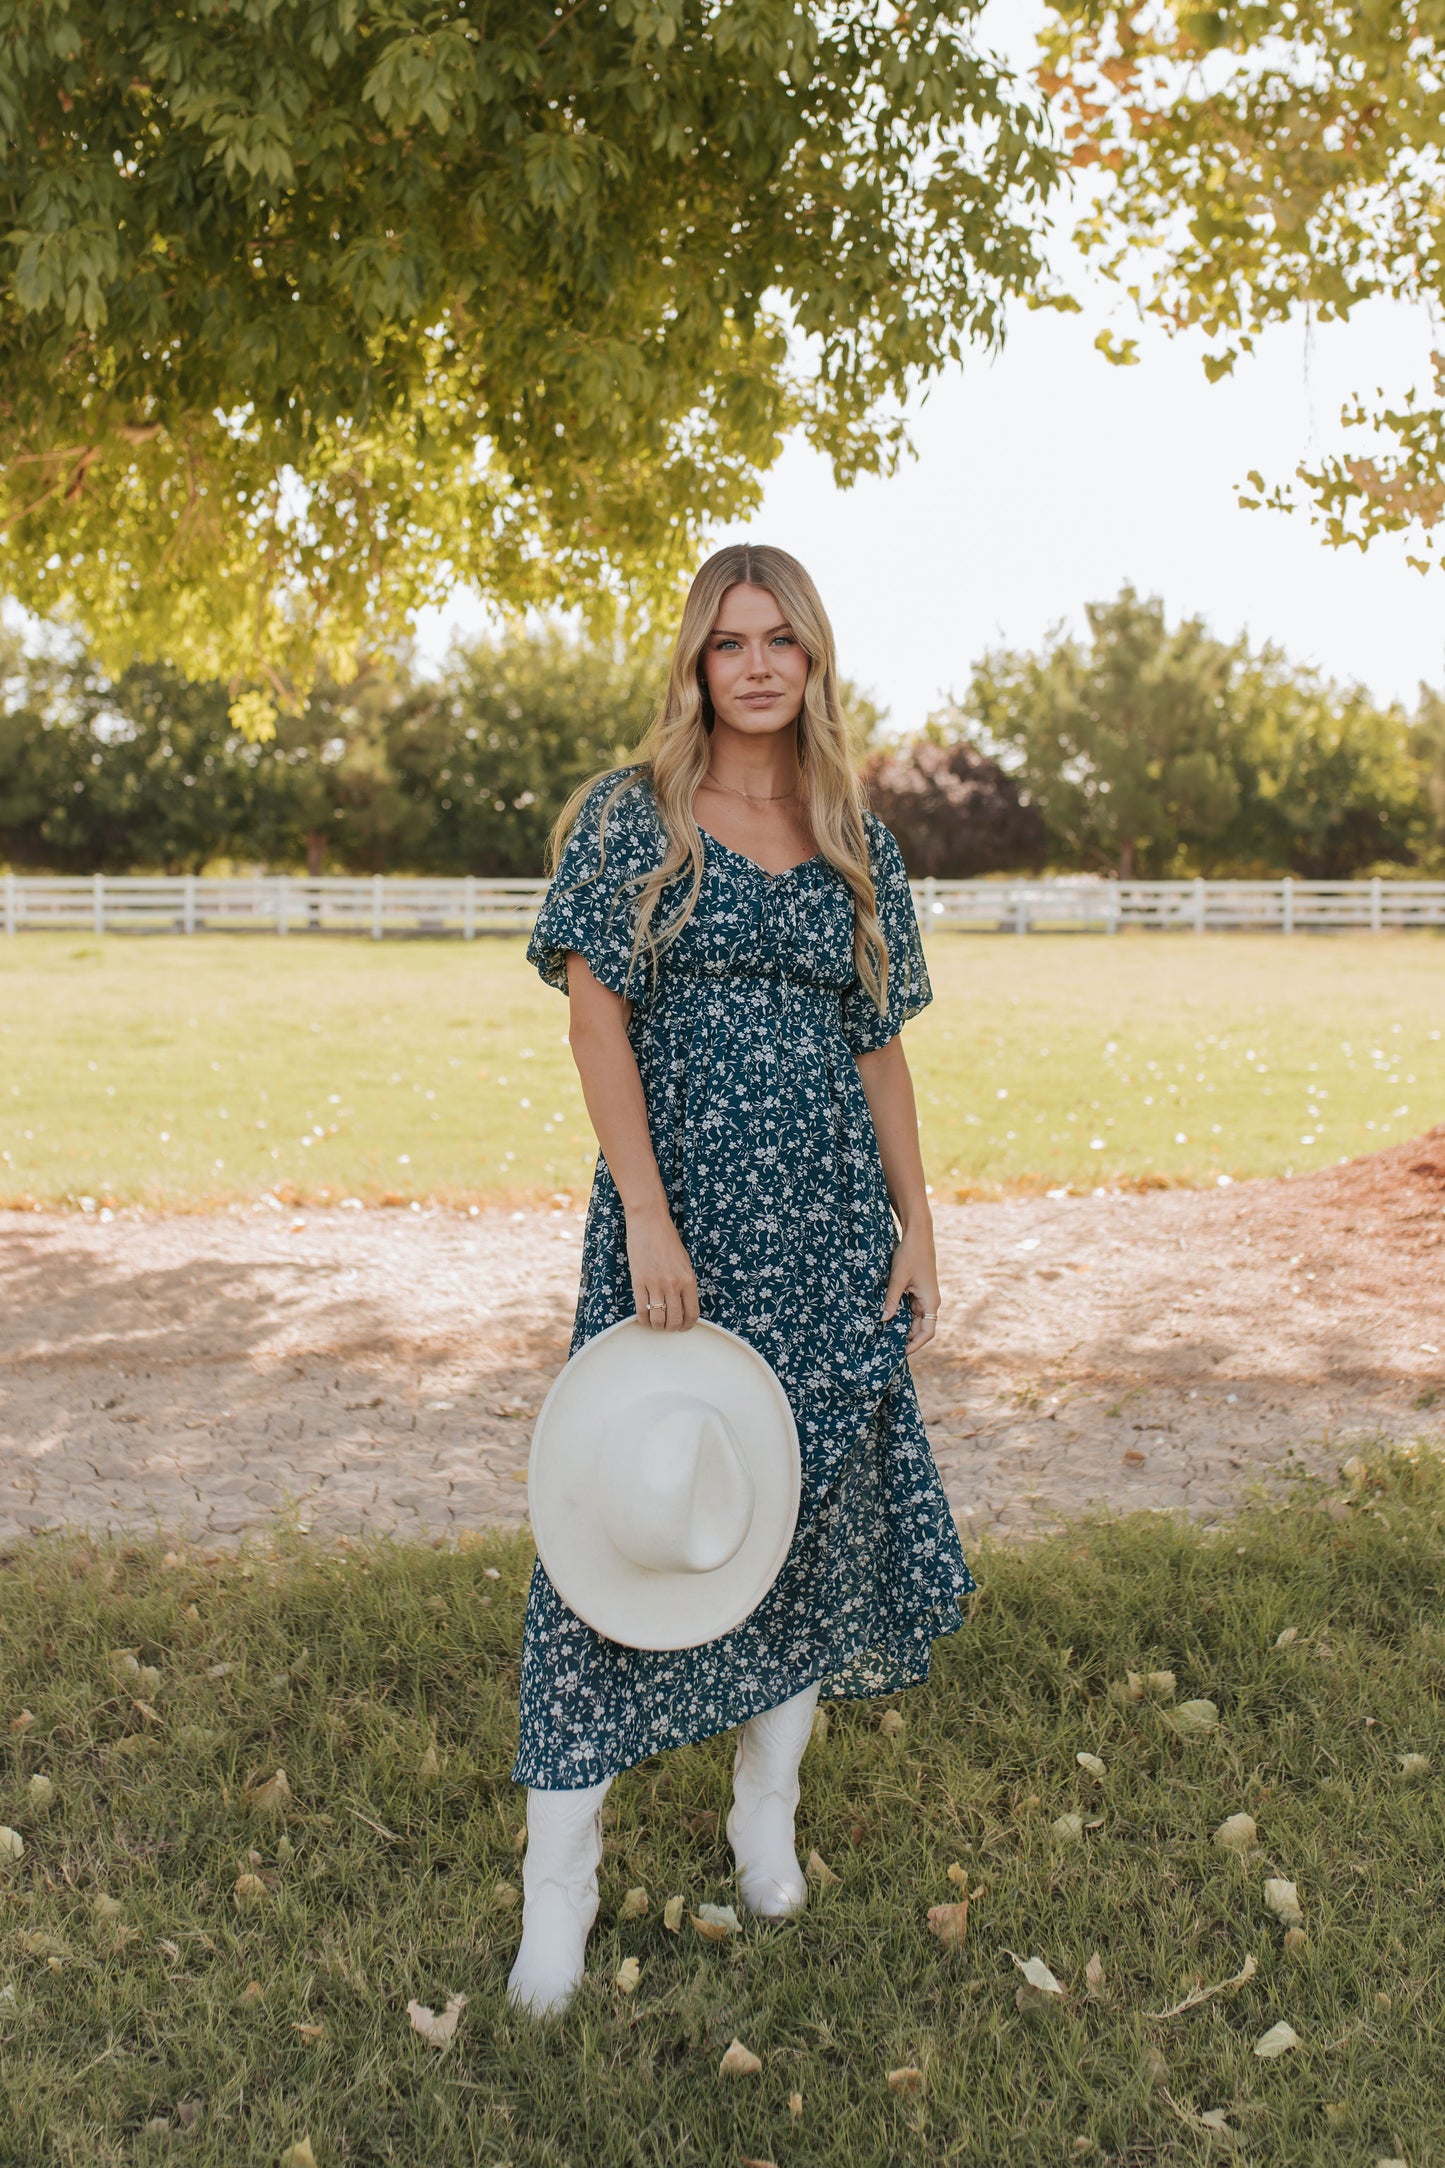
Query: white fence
point(280, 903)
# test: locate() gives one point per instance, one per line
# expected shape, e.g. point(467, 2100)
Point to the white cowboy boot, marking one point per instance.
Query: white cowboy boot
point(765, 1799)
point(559, 1889)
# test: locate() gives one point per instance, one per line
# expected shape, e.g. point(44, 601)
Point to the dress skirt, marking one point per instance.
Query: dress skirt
point(745, 1042)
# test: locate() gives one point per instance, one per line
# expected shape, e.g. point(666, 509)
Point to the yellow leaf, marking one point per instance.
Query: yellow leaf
point(818, 1870)
point(819, 1731)
point(252, 1991)
point(633, 1905)
point(249, 1890)
point(1236, 1833)
point(1094, 1975)
point(1092, 1763)
point(310, 2032)
point(949, 1923)
point(12, 1844)
point(1197, 1995)
point(1277, 2041)
point(1037, 1975)
point(1295, 1940)
point(23, 1721)
point(152, 1716)
point(272, 1797)
point(795, 2106)
point(107, 1908)
point(506, 1896)
point(1196, 1719)
point(1286, 1636)
point(905, 2081)
point(40, 1794)
point(429, 1768)
point(716, 1922)
point(299, 2155)
point(890, 1723)
point(958, 1875)
point(738, 2061)
point(629, 1972)
point(437, 2029)
point(672, 1913)
point(125, 1661)
point(1161, 1683)
point(1282, 1899)
point(1069, 1828)
point(1414, 1765)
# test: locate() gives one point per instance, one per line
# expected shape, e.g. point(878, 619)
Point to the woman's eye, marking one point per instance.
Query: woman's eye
point(784, 639)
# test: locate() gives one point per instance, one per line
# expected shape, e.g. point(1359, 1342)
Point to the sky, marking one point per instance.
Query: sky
point(1044, 479)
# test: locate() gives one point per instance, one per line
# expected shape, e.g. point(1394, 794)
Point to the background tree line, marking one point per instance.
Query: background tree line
point(1141, 749)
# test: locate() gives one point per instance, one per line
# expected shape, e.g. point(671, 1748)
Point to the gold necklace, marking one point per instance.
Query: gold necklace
point(772, 798)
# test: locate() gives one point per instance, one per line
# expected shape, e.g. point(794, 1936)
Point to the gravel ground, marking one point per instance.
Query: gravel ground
point(380, 1370)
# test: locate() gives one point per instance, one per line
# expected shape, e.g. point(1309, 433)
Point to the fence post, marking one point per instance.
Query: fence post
point(188, 906)
point(10, 913)
point(97, 902)
point(1199, 906)
point(378, 898)
point(1021, 910)
point(283, 904)
point(929, 897)
point(1287, 904)
point(469, 907)
point(1377, 903)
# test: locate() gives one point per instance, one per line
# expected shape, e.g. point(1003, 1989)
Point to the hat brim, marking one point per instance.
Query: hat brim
point(628, 1603)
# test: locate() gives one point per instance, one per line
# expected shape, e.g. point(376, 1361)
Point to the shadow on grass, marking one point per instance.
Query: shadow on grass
point(185, 1967)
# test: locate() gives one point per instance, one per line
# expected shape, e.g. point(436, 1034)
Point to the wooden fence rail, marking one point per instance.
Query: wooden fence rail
point(284, 904)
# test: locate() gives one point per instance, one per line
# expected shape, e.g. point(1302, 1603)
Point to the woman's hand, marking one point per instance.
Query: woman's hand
point(915, 1273)
point(661, 1269)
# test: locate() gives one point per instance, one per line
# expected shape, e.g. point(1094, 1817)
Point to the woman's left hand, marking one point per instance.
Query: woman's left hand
point(915, 1274)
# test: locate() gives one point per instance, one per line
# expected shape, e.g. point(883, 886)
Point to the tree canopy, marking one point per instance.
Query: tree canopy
point(312, 309)
point(1261, 157)
point(1164, 751)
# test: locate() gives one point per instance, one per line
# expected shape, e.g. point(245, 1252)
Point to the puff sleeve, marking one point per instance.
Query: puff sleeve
point(590, 901)
point(909, 987)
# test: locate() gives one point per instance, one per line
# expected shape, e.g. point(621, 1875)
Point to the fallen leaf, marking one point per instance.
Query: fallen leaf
point(1236, 1833)
point(125, 1661)
point(629, 1972)
point(890, 1723)
point(1094, 1974)
point(958, 1875)
point(1277, 2041)
point(12, 1844)
point(1283, 1639)
point(716, 1922)
point(1295, 1940)
point(795, 2106)
point(149, 1677)
point(310, 2032)
point(738, 2061)
point(40, 1794)
point(143, 1708)
point(272, 1797)
point(107, 1908)
point(1092, 1763)
point(437, 2031)
point(1037, 1974)
point(252, 1991)
point(1414, 1765)
point(23, 1721)
point(949, 1923)
point(1282, 1899)
point(633, 1905)
point(506, 1897)
point(249, 1890)
point(818, 1870)
point(1196, 1719)
point(1068, 1828)
point(1337, 2113)
point(299, 2155)
point(1202, 1994)
point(1354, 1471)
point(1161, 1683)
point(905, 2081)
point(672, 1913)
point(819, 1731)
point(429, 1768)
point(748, 2161)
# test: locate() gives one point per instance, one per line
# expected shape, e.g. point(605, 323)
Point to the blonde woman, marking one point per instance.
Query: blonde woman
point(736, 934)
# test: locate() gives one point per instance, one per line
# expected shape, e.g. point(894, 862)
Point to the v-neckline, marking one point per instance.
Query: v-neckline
point(765, 871)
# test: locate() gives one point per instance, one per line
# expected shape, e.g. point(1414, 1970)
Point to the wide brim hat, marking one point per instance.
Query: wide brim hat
point(664, 1483)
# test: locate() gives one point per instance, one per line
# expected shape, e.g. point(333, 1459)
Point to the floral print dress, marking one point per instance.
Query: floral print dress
point(765, 1142)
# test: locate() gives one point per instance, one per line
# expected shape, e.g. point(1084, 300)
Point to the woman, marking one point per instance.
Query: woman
point(736, 934)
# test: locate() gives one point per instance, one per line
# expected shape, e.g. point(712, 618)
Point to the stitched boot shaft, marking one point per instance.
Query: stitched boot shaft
point(559, 1890)
point(765, 1800)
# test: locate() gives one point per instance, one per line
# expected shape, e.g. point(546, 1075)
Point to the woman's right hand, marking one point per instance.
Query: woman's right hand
point(661, 1269)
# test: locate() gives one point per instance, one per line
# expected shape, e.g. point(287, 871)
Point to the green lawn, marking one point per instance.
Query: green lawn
point(185, 1073)
point(189, 1973)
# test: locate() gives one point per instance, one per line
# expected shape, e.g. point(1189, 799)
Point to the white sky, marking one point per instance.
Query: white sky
point(1045, 479)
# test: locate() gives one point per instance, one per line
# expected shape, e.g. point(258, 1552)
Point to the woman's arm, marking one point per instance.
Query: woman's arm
point(612, 1087)
point(888, 1088)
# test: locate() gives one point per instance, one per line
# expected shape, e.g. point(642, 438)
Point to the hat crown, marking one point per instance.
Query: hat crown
point(674, 1492)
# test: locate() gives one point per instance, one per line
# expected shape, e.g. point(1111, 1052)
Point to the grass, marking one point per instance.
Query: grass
point(186, 1074)
point(140, 1988)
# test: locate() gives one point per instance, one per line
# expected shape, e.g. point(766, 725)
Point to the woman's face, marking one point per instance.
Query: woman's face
point(756, 669)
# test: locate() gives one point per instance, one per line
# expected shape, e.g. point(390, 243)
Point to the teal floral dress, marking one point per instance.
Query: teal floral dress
point(745, 1041)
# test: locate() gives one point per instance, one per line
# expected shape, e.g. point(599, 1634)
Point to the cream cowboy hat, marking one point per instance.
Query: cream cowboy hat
point(664, 1482)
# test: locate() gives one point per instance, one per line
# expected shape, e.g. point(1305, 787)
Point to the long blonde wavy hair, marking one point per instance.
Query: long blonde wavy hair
point(673, 756)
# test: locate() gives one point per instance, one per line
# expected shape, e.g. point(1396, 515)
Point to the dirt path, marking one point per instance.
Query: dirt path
point(380, 1370)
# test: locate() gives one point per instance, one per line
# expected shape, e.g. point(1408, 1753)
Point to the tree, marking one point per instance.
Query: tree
point(1158, 752)
point(311, 310)
point(955, 812)
point(1259, 157)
